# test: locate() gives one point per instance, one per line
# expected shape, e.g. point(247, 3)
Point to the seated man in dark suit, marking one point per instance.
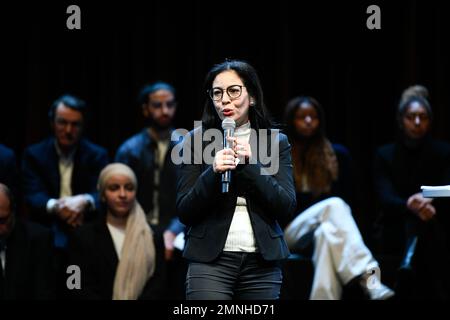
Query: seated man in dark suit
point(60, 172)
point(8, 168)
point(25, 255)
point(60, 175)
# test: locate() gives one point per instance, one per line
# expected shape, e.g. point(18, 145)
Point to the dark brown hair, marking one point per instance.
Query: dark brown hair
point(313, 157)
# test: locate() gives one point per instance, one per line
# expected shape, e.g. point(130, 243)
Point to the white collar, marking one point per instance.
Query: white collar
point(243, 130)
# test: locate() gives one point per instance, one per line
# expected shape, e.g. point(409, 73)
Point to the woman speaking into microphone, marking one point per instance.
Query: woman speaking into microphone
point(234, 243)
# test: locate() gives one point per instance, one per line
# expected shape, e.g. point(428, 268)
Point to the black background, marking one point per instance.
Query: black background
point(317, 48)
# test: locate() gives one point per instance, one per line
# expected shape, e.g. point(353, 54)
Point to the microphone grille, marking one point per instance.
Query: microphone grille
point(228, 123)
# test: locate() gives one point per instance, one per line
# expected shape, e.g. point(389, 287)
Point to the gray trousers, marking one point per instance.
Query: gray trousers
point(234, 276)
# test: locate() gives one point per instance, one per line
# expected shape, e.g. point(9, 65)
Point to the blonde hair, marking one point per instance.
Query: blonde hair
point(114, 169)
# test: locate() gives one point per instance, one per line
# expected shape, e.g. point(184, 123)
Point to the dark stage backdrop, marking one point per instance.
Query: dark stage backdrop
point(317, 48)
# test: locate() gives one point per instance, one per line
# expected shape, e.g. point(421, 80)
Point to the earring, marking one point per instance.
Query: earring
point(252, 102)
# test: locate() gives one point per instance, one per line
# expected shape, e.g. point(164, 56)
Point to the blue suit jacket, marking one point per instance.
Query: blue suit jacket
point(41, 179)
point(8, 169)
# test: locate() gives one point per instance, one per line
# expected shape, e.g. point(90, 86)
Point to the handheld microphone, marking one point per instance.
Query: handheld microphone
point(228, 126)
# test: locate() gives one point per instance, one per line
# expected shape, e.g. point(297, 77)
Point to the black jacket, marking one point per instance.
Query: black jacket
point(400, 171)
point(208, 213)
point(91, 247)
point(29, 269)
point(41, 179)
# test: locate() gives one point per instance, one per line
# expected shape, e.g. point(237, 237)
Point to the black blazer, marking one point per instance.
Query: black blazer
point(208, 213)
point(41, 180)
point(91, 248)
point(400, 171)
point(29, 269)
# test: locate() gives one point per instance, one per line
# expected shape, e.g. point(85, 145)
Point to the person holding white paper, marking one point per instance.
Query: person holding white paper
point(324, 217)
point(410, 225)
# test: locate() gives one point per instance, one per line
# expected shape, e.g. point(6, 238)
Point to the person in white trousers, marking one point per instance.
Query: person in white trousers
point(340, 254)
point(321, 171)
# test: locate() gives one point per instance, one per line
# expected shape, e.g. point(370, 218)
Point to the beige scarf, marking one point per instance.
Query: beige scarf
point(137, 262)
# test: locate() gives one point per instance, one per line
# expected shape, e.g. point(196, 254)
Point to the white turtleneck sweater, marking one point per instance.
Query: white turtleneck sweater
point(240, 236)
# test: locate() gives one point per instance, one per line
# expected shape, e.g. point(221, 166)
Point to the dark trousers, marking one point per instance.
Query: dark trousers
point(234, 275)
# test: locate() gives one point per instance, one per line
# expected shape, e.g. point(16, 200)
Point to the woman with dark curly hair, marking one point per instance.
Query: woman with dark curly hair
point(323, 189)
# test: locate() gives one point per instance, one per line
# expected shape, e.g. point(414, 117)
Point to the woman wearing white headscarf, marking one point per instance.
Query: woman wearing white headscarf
point(116, 254)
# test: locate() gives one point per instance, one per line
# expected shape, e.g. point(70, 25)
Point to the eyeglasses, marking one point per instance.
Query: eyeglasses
point(233, 92)
point(157, 104)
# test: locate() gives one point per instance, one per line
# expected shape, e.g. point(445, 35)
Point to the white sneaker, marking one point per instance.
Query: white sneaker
point(375, 289)
point(382, 292)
